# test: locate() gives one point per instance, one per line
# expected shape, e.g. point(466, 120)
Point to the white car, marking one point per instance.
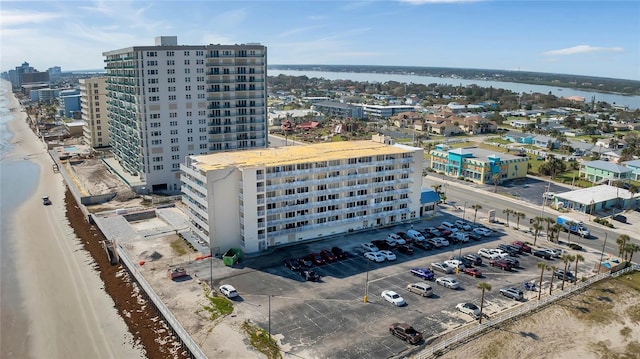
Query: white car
point(454, 263)
point(488, 253)
point(370, 247)
point(462, 225)
point(499, 252)
point(228, 291)
point(375, 256)
point(449, 226)
point(548, 195)
point(482, 231)
point(394, 238)
point(415, 235)
point(393, 297)
point(448, 282)
point(470, 309)
point(460, 236)
point(442, 267)
point(389, 255)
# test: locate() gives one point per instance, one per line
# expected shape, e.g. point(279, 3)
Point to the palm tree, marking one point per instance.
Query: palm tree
point(483, 286)
point(496, 178)
point(630, 249)
point(555, 232)
point(566, 258)
point(542, 266)
point(519, 216)
point(570, 225)
point(536, 230)
point(633, 189)
point(579, 258)
point(508, 212)
point(550, 221)
point(621, 242)
point(476, 207)
point(553, 273)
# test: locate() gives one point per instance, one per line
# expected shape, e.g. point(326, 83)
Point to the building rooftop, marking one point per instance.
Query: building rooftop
point(481, 153)
point(298, 154)
point(598, 194)
point(607, 166)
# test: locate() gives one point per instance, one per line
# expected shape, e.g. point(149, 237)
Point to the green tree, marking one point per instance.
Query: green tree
point(555, 232)
point(508, 212)
point(542, 266)
point(496, 178)
point(553, 273)
point(571, 224)
point(621, 242)
point(519, 216)
point(629, 250)
point(633, 189)
point(579, 258)
point(549, 221)
point(536, 230)
point(484, 286)
point(566, 258)
point(475, 207)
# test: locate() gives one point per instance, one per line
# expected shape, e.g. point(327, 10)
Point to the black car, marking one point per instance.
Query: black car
point(427, 234)
point(405, 237)
point(568, 276)
point(515, 263)
point(423, 245)
point(465, 261)
point(305, 262)
point(310, 275)
point(542, 254)
point(512, 250)
point(292, 264)
point(338, 252)
point(475, 259)
point(620, 218)
point(406, 249)
point(381, 244)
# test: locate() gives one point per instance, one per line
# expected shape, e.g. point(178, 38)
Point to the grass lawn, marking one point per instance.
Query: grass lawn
point(567, 177)
point(498, 140)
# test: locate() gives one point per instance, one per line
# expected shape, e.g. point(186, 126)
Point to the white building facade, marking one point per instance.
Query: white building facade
point(93, 104)
point(170, 101)
point(259, 199)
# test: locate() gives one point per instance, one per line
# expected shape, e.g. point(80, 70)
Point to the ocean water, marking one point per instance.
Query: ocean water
point(18, 178)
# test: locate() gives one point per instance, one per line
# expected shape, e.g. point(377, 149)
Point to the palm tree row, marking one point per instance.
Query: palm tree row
point(626, 249)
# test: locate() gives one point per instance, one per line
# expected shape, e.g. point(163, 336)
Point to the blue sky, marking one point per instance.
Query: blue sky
point(595, 38)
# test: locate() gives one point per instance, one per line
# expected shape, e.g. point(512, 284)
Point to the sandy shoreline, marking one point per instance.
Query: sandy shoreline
point(70, 314)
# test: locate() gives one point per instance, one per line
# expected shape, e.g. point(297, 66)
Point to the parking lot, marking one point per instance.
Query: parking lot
point(330, 318)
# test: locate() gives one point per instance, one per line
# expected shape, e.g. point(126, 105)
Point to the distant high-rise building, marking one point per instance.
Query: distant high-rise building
point(168, 101)
point(93, 103)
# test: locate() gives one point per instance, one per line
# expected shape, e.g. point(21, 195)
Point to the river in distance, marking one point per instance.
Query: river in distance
point(633, 102)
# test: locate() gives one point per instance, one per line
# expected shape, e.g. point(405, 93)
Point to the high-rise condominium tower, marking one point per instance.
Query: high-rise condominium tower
point(169, 101)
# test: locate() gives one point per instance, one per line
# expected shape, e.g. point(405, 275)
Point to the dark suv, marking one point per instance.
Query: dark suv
point(405, 332)
point(568, 276)
point(474, 258)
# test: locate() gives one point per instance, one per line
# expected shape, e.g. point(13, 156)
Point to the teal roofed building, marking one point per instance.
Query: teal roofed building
point(602, 171)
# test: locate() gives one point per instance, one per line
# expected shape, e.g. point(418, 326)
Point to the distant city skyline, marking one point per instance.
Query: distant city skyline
point(591, 38)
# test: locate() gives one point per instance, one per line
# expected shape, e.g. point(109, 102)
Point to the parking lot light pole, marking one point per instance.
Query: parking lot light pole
point(366, 284)
point(464, 211)
point(269, 325)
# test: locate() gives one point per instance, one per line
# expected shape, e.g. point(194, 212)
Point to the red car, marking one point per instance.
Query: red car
point(500, 263)
point(522, 246)
point(474, 272)
point(328, 255)
point(316, 258)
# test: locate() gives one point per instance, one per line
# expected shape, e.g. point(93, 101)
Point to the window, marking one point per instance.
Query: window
point(172, 97)
point(187, 88)
point(187, 71)
point(171, 80)
point(188, 96)
point(170, 53)
point(152, 72)
point(171, 71)
point(152, 63)
point(171, 62)
point(186, 62)
point(152, 53)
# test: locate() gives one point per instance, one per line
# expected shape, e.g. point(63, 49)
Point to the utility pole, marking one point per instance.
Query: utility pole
point(544, 200)
point(602, 252)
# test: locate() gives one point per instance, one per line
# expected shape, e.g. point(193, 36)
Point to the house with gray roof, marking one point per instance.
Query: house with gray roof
point(600, 171)
point(634, 166)
point(545, 142)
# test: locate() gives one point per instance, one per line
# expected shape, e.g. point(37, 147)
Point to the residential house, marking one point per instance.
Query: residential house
point(475, 125)
point(519, 137)
point(634, 165)
point(545, 142)
point(599, 171)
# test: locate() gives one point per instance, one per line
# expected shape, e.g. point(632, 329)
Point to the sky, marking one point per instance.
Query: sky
point(592, 38)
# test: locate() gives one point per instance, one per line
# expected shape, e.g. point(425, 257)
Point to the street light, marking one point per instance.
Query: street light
point(366, 284)
point(464, 211)
point(591, 211)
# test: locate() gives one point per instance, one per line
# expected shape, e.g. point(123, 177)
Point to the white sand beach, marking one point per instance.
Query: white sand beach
point(69, 313)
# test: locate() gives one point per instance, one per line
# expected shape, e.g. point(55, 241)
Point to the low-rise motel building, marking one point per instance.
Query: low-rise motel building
point(258, 199)
point(477, 165)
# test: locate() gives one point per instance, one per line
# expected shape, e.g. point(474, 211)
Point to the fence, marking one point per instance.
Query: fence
point(178, 329)
point(439, 348)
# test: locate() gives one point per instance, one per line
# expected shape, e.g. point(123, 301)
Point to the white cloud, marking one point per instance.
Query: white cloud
point(582, 49)
point(13, 18)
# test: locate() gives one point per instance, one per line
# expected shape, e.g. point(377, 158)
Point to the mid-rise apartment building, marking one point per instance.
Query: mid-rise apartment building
point(258, 199)
point(169, 101)
point(93, 103)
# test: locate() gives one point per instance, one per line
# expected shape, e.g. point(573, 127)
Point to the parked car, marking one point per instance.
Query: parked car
point(462, 225)
point(381, 244)
point(454, 263)
point(482, 231)
point(449, 226)
point(405, 236)
point(467, 263)
point(511, 250)
point(575, 246)
point(310, 275)
point(556, 252)
point(328, 255)
point(474, 258)
point(422, 289)
point(316, 258)
point(338, 252)
point(441, 267)
point(487, 253)
point(228, 291)
point(438, 242)
point(620, 218)
point(305, 262)
point(515, 263)
point(469, 309)
point(389, 255)
point(415, 235)
point(375, 257)
point(46, 201)
point(500, 263)
point(474, 272)
point(448, 282)
point(292, 264)
point(434, 231)
point(542, 254)
point(427, 234)
point(405, 332)
point(405, 248)
point(392, 242)
point(499, 252)
point(423, 245)
point(460, 237)
point(568, 276)
point(424, 273)
point(523, 247)
point(474, 236)
point(513, 293)
point(370, 247)
point(393, 298)
point(396, 239)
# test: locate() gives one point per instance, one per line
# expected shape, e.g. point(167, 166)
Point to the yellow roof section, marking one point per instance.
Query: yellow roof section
point(297, 154)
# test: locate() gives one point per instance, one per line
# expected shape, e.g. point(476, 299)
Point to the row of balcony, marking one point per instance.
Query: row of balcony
point(368, 196)
point(342, 179)
point(314, 216)
point(370, 165)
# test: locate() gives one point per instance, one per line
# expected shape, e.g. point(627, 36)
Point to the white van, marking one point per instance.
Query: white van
point(423, 289)
point(417, 236)
point(449, 226)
